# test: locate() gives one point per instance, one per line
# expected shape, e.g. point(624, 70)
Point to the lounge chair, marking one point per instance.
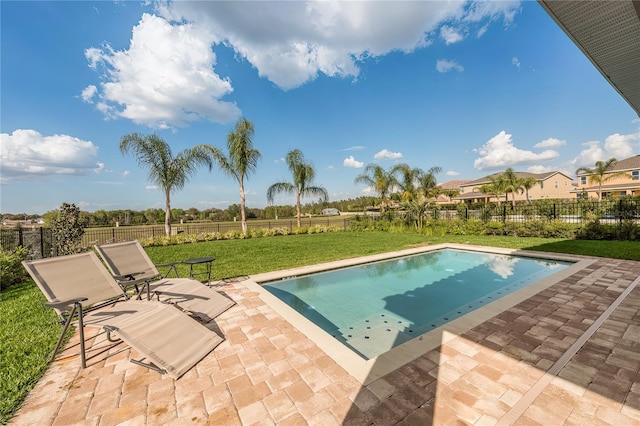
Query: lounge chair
point(81, 289)
point(130, 265)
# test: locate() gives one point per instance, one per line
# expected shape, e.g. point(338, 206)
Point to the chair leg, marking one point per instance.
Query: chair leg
point(83, 357)
point(64, 332)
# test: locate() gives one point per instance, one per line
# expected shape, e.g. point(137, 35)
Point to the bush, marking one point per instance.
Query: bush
point(11, 269)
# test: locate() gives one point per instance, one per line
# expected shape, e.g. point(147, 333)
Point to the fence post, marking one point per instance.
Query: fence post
point(466, 213)
point(504, 213)
point(41, 241)
point(554, 211)
point(20, 237)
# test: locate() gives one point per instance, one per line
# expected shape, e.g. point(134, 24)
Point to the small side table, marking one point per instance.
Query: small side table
point(198, 261)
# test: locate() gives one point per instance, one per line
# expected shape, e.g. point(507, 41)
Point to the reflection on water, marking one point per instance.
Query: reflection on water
point(403, 267)
point(501, 265)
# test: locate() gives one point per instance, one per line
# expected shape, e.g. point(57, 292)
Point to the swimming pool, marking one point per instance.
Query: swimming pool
point(375, 307)
point(421, 339)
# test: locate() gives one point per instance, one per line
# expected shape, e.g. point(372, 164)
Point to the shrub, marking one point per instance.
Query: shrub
point(67, 229)
point(11, 269)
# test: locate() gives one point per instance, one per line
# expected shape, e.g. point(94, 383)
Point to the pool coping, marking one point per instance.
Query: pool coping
point(367, 371)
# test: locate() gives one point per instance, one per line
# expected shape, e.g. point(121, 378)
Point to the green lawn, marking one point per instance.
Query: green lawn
point(28, 330)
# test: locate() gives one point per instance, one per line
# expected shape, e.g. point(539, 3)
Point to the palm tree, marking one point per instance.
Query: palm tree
point(407, 181)
point(168, 172)
point(527, 184)
point(303, 175)
point(380, 180)
point(601, 173)
point(416, 187)
point(495, 187)
point(512, 184)
point(242, 160)
point(428, 183)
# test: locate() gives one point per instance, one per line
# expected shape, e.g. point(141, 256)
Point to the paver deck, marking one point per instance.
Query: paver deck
point(507, 370)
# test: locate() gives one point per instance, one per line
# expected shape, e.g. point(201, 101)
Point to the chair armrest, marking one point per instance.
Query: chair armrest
point(128, 277)
point(60, 304)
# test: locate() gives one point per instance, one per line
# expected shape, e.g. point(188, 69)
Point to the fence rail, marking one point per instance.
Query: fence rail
point(40, 241)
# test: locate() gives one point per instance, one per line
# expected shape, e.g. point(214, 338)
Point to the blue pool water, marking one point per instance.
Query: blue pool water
point(374, 307)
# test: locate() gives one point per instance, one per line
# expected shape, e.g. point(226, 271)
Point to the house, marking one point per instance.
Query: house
point(552, 185)
point(616, 185)
point(448, 188)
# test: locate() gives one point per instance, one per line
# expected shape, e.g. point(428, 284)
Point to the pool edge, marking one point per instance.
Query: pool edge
point(367, 371)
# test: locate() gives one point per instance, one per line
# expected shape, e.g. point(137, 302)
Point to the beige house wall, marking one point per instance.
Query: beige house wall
point(556, 186)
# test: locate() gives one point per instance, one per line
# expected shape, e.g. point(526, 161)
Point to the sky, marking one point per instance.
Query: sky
point(471, 87)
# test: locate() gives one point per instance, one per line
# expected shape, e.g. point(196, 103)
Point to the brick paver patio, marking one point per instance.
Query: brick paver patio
point(507, 370)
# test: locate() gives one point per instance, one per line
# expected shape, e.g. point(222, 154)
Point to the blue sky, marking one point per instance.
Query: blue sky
point(470, 87)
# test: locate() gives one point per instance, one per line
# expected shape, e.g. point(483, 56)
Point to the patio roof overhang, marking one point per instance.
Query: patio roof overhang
point(608, 33)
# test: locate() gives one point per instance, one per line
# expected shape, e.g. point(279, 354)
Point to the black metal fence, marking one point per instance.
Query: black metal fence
point(40, 240)
point(611, 212)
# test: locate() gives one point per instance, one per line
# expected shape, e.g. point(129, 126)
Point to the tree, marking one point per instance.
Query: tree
point(512, 184)
point(416, 187)
point(163, 169)
point(527, 184)
point(303, 175)
point(67, 229)
point(495, 187)
point(601, 173)
point(380, 180)
point(242, 160)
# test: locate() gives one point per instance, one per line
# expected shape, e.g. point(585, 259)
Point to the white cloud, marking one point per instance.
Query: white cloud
point(550, 143)
point(615, 146)
point(151, 187)
point(452, 173)
point(126, 173)
point(622, 146)
point(164, 79)
point(27, 154)
point(385, 154)
point(446, 65)
point(291, 43)
point(88, 93)
point(450, 35)
point(515, 61)
point(368, 191)
point(350, 161)
point(100, 168)
point(540, 169)
point(354, 148)
point(499, 152)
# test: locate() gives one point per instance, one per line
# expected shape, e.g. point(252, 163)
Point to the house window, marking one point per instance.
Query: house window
point(555, 184)
point(541, 184)
point(635, 175)
point(623, 193)
point(583, 180)
point(566, 183)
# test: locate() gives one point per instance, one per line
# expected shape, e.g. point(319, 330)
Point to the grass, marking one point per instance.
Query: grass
point(28, 333)
point(28, 330)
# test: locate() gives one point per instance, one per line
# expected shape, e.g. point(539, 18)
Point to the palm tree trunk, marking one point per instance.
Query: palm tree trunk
point(600, 191)
point(167, 213)
point(298, 208)
point(243, 216)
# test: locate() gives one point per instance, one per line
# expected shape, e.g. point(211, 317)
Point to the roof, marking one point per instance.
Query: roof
point(521, 175)
point(453, 184)
point(631, 163)
point(627, 164)
point(608, 33)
